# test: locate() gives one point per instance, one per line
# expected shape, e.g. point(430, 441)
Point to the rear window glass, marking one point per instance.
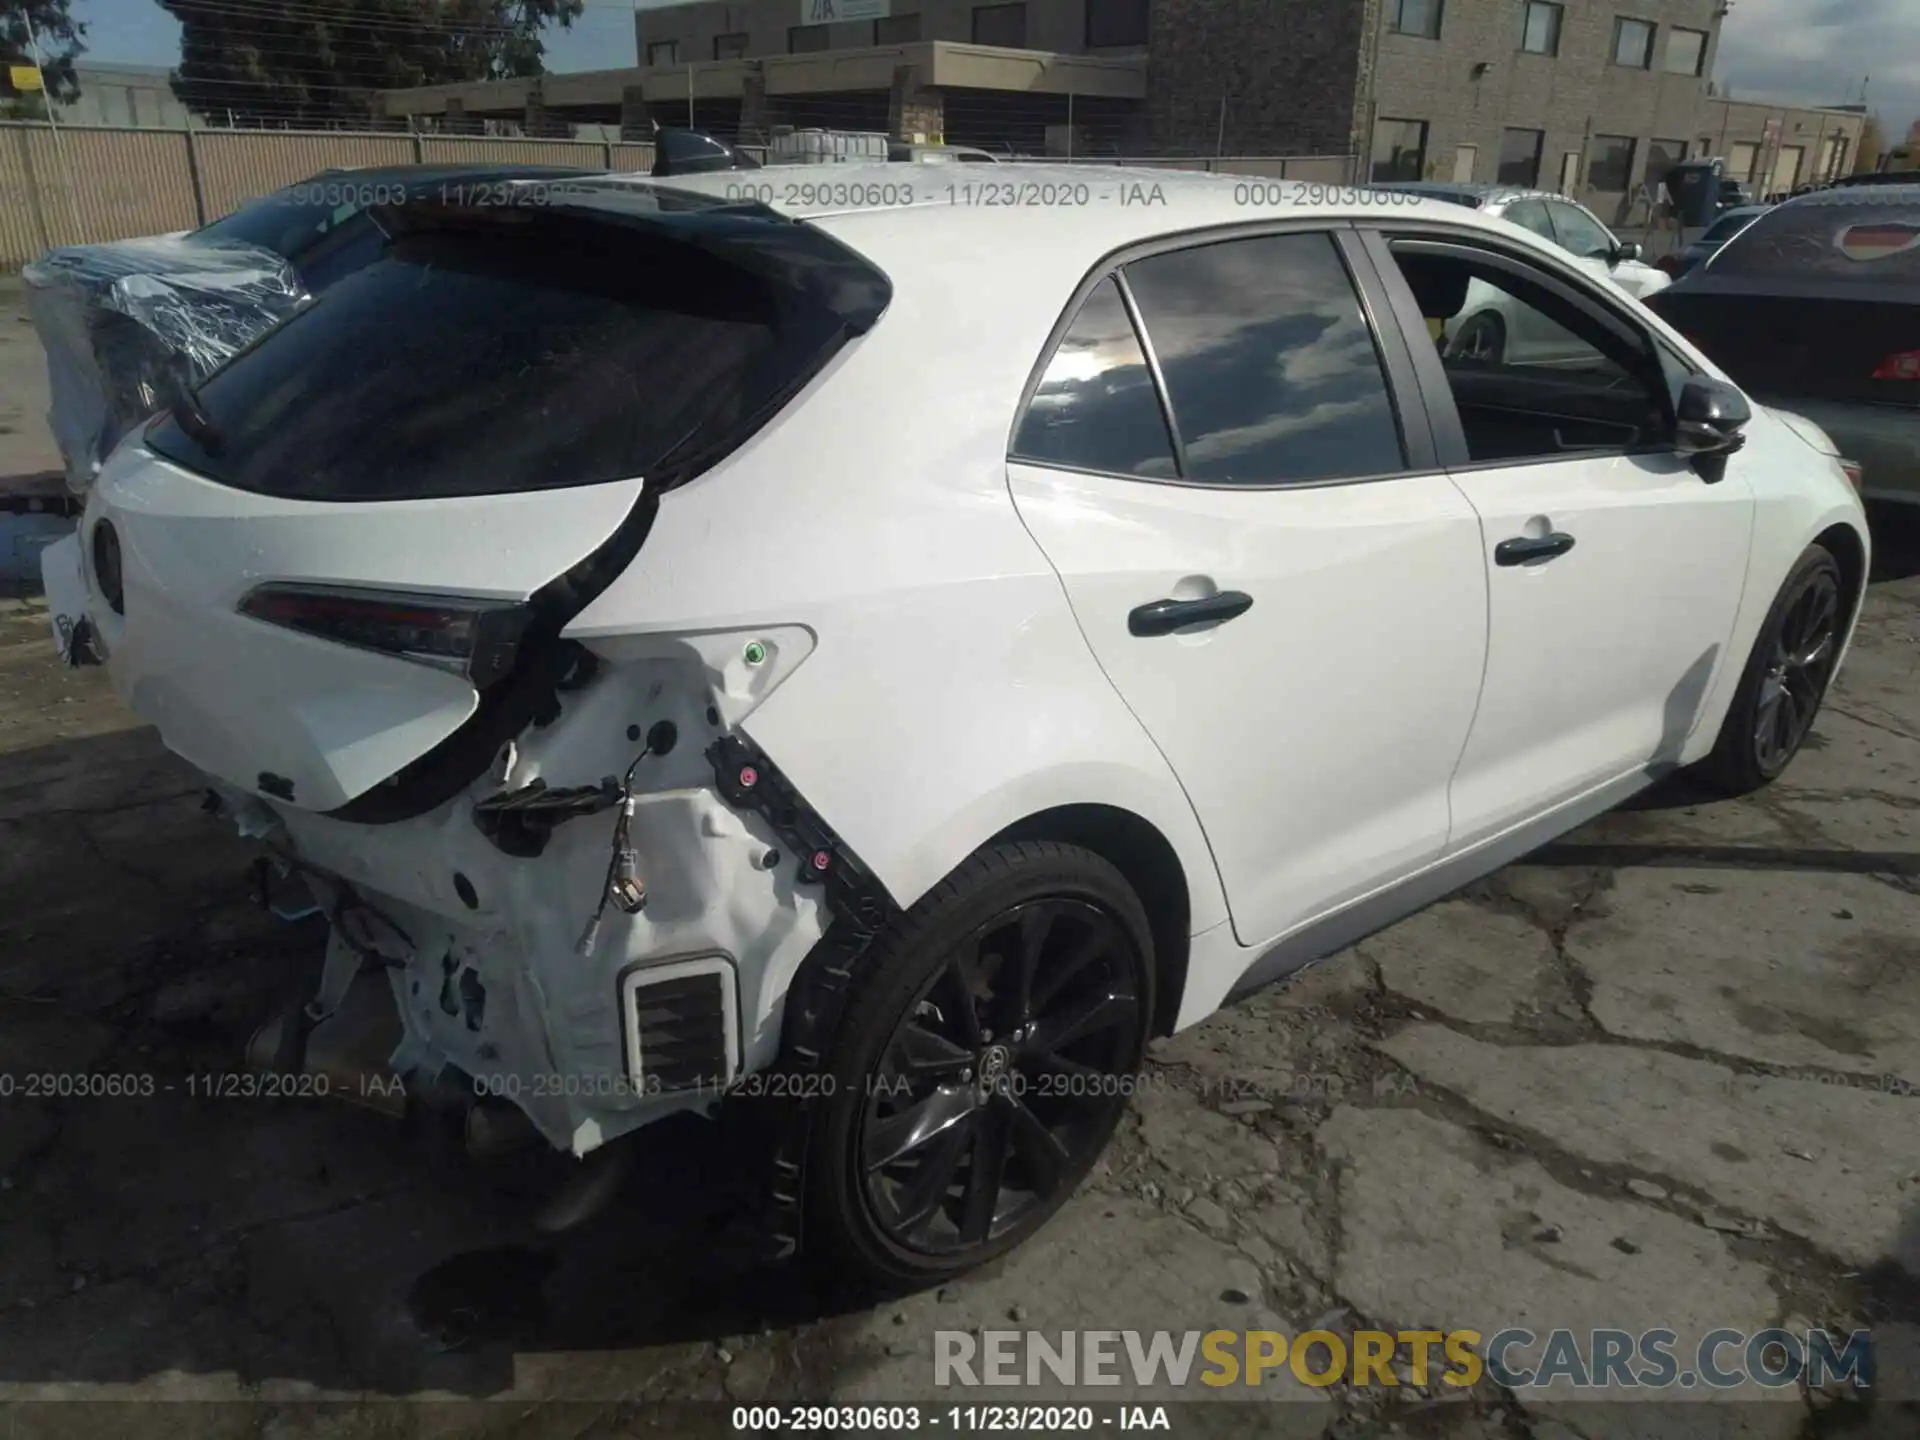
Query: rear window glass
point(519, 350)
point(279, 222)
point(1096, 407)
point(1831, 236)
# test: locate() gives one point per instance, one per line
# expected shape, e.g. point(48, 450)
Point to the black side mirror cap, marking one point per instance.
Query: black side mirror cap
point(1626, 250)
point(1711, 418)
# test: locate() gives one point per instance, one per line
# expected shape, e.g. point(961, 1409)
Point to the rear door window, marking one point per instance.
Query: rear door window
point(1268, 360)
point(1096, 407)
point(1579, 232)
point(1531, 215)
point(519, 349)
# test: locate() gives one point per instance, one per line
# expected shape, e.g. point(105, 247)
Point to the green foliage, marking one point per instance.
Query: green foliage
point(61, 40)
point(308, 63)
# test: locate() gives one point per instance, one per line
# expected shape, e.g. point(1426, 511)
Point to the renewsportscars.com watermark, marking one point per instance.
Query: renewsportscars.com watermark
point(1596, 1360)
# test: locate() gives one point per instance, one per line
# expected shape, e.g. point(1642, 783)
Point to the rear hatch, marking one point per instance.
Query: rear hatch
point(1819, 298)
point(337, 572)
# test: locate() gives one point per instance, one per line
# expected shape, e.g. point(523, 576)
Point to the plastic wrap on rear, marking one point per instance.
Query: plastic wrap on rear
point(114, 318)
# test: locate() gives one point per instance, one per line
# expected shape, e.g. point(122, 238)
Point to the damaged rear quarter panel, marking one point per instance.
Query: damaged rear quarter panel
point(950, 693)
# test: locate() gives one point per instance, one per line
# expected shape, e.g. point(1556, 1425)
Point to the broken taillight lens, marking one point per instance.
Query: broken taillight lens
point(475, 638)
point(1903, 366)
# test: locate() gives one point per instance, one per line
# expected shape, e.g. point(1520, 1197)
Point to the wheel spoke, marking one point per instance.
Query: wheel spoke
point(1052, 1063)
point(985, 1170)
point(919, 1054)
point(1036, 923)
point(927, 1191)
point(961, 983)
point(1045, 1157)
point(1095, 943)
point(1767, 717)
point(1816, 653)
point(892, 1136)
point(1102, 1010)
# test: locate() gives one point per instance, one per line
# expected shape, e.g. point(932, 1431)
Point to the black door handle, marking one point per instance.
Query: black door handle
point(1162, 617)
point(1524, 549)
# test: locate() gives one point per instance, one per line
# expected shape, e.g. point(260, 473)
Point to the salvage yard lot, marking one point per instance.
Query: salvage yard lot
point(1666, 1073)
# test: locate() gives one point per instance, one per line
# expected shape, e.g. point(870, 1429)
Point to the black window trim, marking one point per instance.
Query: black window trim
point(1405, 394)
point(1399, 9)
point(1559, 27)
point(1567, 283)
point(1620, 23)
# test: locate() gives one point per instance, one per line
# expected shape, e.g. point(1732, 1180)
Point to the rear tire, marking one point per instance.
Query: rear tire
point(1784, 682)
point(987, 1052)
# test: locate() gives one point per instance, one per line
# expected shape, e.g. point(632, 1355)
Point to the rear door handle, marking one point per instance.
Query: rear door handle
point(1524, 549)
point(1162, 617)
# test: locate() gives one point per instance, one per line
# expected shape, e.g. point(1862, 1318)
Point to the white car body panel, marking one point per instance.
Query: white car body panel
point(945, 656)
point(236, 697)
point(1369, 604)
point(1597, 662)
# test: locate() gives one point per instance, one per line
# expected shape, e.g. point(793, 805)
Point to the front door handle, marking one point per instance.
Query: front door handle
point(1525, 549)
point(1161, 617)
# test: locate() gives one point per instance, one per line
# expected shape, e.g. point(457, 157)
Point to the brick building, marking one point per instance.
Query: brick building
point(1588, 96)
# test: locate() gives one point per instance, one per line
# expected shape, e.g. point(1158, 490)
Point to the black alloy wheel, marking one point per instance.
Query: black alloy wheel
point(991, 1041)
point(1798, 669)
point(1003, 1079)
point(1785, 679)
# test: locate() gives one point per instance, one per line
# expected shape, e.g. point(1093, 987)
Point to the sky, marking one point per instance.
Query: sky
point(1810, 51)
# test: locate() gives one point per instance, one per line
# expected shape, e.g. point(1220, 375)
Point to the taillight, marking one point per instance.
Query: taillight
point(1903, 366)
point(475, 638)
point(1669, 264)
point(1854, 471)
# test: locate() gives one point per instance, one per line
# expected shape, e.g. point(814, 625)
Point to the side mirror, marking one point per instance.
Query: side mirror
point(1625, 250)
point(1712, 416)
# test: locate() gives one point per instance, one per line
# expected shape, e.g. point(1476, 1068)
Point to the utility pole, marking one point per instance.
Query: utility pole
point(59, 149)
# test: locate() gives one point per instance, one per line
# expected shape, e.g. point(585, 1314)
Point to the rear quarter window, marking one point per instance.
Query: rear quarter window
point(518, 350)
point(1831, 237)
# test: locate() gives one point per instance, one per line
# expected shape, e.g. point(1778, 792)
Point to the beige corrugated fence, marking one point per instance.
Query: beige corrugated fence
point(81, 184)
point(89, 183)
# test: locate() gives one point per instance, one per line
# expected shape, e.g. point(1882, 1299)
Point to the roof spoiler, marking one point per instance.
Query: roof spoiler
point(694, 152)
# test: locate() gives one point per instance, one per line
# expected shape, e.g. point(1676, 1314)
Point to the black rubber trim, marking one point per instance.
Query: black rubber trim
point(529, 690)
point(817, 995)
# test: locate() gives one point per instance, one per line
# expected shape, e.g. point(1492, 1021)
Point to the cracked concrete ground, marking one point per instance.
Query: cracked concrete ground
point(1661, 1075)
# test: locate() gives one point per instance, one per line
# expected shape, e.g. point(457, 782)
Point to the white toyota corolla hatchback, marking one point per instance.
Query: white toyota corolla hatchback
point(879, 649)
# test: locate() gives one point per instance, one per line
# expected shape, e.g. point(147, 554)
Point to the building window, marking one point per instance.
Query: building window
point(1633, 43)
point(663, 52)
point(805, 39)
point(1000, 25)
point(1415, 17)
point(1662, 156)
point(729, 47)
point(896, 30)
point(1399, 149)
point(1112, 24)
point(1610, 163)
point(1540, 35)
point(1520, 156)
point(1686, 51)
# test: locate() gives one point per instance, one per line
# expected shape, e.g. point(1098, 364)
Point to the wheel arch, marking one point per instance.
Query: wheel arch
point(1148, 862)
point(1849, 551)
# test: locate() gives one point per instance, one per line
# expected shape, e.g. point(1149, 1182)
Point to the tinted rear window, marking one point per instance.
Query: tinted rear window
point(279, 222)
point(1831, 237)
point(520, 350)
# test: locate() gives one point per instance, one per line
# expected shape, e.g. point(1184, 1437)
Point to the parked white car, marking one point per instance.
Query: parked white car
point(1489, 328)
point(887, 659)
